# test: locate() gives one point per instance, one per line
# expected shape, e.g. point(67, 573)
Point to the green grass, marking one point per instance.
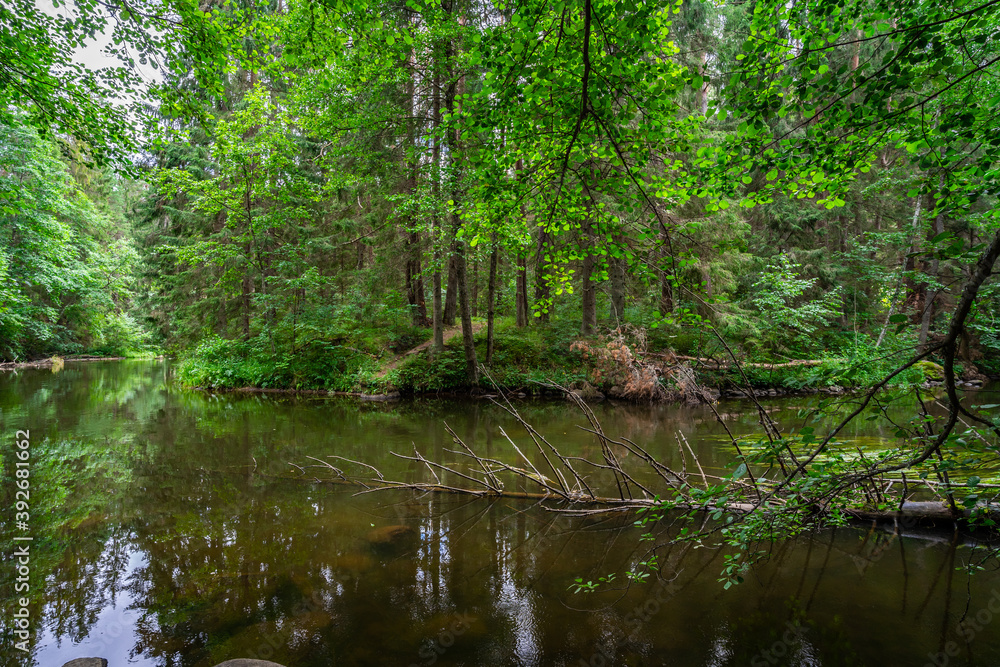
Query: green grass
point(523, 360)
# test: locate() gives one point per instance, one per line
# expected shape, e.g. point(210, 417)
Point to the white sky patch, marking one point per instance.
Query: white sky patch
point(93, 55)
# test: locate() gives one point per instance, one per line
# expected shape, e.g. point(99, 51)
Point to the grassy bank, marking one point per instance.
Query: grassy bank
point(375, 361)
point(383, 360)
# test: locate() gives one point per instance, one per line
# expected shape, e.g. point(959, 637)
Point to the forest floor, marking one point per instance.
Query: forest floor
point(449, 333)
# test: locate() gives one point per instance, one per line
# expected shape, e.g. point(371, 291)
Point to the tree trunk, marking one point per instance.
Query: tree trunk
point(666, 295)
point(451, 297)
point(246, 304)
point(453, 96)
point(468, 343)
point(521, 290)
point(667, 276)
point(914, 292)
point(930, 305)
point(415, 282)
point(438, 321)
point(521, 269)
point(588, 290)
point(618, 270)
point(703, 89)
point(543, 292)
point(491, 295)
point(475, 286)
point(414, 277)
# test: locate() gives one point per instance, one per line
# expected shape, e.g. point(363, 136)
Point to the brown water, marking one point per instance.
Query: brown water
point(165, 533)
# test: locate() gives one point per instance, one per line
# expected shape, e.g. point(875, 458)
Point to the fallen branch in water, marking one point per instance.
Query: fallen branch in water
point(565, 481)
point(816, 482)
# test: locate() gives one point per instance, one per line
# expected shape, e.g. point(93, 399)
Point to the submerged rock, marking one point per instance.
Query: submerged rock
point(87, 662)
point(391, 538)
point(353, 563)
point(248, 662)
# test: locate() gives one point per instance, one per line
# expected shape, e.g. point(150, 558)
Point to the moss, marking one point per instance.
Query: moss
point(931, 371)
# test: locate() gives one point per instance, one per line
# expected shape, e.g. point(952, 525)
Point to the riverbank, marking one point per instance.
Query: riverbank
point(58, 361)
point(380, 365)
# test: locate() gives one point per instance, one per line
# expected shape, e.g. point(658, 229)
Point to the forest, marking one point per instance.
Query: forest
point(291, 195)
point(468, 205)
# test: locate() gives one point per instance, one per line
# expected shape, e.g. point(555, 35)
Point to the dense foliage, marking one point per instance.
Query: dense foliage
point(326, 182)
point(328, 185)
point(67, 262)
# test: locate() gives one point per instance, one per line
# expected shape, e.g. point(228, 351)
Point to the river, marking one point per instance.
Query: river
point(171, 529)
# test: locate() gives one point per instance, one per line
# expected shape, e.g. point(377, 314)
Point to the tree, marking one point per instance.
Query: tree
point(917, 93)
point(40, 76)
point(67, 267)
point(263, 204)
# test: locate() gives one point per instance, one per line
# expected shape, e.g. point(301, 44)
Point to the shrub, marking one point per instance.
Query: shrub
point(221, 363)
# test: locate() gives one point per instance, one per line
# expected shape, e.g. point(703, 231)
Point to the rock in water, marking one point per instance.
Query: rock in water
point(87, 662)
point(587, 391)
point(248, 662)
point(391, 538)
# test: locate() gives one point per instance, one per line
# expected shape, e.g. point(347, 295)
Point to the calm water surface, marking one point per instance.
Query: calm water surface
point(168, 531)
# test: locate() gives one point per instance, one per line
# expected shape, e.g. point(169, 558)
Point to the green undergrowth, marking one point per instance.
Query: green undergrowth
point(225, 364)
point(366, 359)
point(354, 361)
point(523, 359)
point(855, 365)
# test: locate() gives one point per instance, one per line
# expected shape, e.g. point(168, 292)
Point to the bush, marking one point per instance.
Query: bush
point(226, 364)
point(444, 373)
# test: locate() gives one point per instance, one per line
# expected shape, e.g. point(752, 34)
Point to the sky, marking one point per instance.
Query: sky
point(93, 55)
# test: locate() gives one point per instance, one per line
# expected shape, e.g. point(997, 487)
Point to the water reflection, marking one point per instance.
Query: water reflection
point(170, 538)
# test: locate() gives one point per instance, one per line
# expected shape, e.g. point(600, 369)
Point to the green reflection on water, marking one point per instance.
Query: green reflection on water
point(165, 533)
